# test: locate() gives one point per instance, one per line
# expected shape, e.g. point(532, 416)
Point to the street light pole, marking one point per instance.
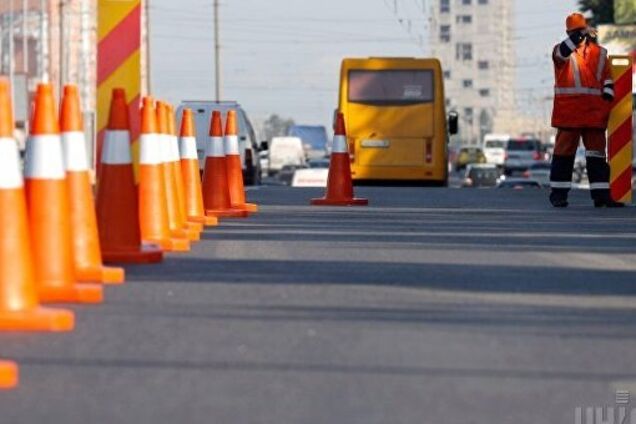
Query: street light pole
point(217, 53)
point(25, 40)
point(147, 42)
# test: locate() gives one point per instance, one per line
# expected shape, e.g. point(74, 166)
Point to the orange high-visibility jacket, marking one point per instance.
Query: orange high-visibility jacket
point(580, 80)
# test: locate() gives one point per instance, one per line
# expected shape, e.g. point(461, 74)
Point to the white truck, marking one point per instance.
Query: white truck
point(495, 148)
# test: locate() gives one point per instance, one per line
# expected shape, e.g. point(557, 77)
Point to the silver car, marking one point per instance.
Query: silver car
point(521, 153)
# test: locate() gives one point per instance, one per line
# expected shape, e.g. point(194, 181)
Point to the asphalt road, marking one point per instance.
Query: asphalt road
point(429, 306)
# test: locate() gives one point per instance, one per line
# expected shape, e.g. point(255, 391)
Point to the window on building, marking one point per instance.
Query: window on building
point(467, 83)
point(464, 51)
point(444, 6)
point(469, 115)
point(483, 1)
point(484, 92)
point(467, 2)
point(483, 65)
point(464, 19)
point(447, 74)
point(445, 33)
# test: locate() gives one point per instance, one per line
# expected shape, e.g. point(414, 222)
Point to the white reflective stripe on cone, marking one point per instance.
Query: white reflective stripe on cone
point(166, 150)
point(116, 149)
point(214, 147)
point(74, 148)
point(188, 147)
point(231, 145)
point(44, 158)
point(340, 144)
point(10, 173)
point(609, 91)
point(570, 44)
point(150, 149)
point(608, 82)
point(599, 186)
point(560, 184)
point(174, 149)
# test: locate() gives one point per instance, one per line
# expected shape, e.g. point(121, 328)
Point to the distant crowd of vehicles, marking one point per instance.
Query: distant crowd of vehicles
point(398, 131)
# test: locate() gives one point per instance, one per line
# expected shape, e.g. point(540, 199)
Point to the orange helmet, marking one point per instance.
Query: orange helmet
point(575, 21)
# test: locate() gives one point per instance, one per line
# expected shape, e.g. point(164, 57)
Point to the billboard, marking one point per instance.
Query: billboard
point(624, 12)
point(619, 40)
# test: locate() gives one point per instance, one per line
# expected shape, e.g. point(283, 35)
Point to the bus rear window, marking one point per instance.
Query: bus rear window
point(391, 87)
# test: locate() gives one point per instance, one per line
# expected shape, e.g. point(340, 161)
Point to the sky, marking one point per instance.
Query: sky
point(283, 56)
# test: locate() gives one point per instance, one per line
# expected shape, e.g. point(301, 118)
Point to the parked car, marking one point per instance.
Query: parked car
point(480, 175)
point(539, 171)
point(248, 143)
point(518, 183)
point(285, 151)
point(468, 155)
point(521, 153)
point(314, 137)
point(495, 148)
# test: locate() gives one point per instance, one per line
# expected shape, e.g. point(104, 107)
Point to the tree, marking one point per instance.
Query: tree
point(602, 10)
point(275, 126)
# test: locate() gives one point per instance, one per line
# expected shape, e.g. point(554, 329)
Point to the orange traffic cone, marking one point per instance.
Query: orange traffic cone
point(19, 305)
point(175, 224)
point(234, 167)
point(8, 375)
point(190, 172)
point(153, 212)
point(117, 203)
point(216, 192)
point(339, 184)
point(194, 229)
point(49, 209)
point(86, 249)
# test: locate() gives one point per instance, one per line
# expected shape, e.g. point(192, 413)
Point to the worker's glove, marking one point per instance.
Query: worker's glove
point(576, 37)
point(607, 97)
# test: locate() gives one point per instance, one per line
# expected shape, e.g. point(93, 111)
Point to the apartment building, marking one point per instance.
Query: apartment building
point(473, 39)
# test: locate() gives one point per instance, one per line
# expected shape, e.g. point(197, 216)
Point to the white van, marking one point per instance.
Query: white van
point(495, 148)
point(285, 151)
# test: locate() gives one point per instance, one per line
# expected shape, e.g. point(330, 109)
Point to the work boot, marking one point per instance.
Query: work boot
point(608, 203)
point(558, 200)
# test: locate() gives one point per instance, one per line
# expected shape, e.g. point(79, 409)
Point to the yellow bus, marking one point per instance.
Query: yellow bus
point(396, 120)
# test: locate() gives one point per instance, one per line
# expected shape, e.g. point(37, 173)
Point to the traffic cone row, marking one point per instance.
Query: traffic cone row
point(118, 212)
point(55, 238)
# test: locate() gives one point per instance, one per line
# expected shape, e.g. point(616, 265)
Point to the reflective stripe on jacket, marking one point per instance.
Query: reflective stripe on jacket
point(580, 81)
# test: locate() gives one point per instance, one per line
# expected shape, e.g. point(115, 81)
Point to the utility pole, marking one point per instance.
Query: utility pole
point(11, 52)
point(25, 40)
point(147, 42)
point(86, 48)
point(62, 49)
point(217, 52)
point(44, 43)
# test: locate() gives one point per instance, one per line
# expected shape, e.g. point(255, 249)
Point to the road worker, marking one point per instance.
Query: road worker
point(584, 92)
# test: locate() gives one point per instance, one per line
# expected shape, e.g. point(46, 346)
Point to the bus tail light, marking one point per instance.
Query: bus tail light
point(352, 151)
point(429, 151)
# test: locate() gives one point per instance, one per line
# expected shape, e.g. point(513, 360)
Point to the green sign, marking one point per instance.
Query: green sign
point(624, 12)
